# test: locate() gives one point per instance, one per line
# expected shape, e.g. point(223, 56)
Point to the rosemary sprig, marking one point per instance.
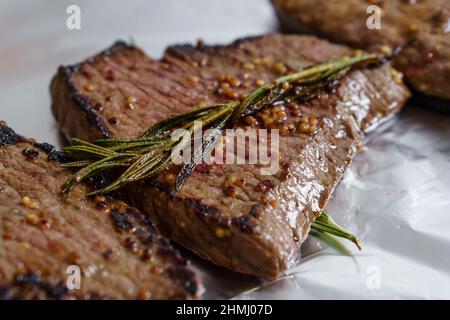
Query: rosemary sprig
point(149, 154)
point(325, 229)
point(331, 241)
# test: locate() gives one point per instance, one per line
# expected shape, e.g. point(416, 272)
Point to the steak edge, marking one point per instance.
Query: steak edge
point(119, 252)
point(422, 28)
point(258, 230)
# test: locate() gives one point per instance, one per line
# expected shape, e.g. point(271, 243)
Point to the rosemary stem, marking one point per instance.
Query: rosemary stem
point(150, 153)
point(325, 224)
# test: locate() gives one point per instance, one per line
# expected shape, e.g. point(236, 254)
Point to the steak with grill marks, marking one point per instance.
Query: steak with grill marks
point(422, 28)
point(256, 229)
point(119, 252)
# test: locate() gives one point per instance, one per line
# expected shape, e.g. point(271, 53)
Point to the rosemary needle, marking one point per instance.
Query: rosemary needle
point(325, 229)
point(150, 153)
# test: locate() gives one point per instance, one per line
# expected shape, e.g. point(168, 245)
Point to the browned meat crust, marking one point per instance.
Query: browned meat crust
point(422, 28)
point(258, 228)
point(42, 233)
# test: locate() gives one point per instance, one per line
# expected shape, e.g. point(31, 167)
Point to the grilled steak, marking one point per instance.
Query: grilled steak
point(118, 250)
point(422, 28)
point(231, 214)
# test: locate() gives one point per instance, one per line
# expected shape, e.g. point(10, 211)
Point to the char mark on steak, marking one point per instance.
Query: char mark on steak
point(258, 228)
point(118, 250)
point(420, 28)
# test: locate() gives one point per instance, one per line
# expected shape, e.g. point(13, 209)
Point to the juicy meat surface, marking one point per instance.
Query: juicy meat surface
point(256, 229)
point(118, 250)
point(422, 28)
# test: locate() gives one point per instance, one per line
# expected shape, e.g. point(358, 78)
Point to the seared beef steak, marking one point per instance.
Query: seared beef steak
point(120, 253)
point(231, 214)
point(421, 27)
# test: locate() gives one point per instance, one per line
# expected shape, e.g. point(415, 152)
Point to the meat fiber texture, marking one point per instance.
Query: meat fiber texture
point(420, 28)
point(47, 237)
point(259, 228)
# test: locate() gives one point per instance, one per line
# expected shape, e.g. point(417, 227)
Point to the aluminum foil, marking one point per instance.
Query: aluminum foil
point(395, 196)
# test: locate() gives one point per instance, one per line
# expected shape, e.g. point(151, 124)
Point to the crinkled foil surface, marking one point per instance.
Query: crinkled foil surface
point(395, 197)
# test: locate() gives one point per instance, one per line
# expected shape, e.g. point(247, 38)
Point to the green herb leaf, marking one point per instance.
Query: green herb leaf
point(325, 229)
point(330, 240)
point(150, 154)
